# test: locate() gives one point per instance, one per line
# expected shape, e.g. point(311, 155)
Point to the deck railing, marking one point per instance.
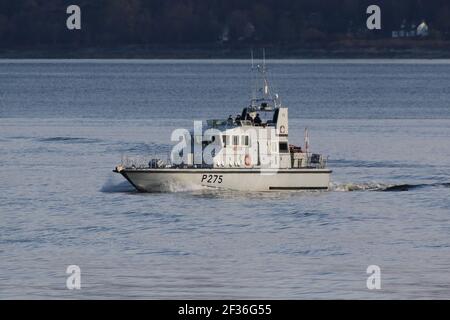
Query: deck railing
point(163, 161)
point(141, 162)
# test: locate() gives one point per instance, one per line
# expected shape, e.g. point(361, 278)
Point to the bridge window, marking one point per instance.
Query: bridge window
point(225, 140)
point(235, 140)
point(246, 140)
point(284, 147)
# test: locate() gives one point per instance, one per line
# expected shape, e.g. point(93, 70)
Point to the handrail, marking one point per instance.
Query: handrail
point(164, 161)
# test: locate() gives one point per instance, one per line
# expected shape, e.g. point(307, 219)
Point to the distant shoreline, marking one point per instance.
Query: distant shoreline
point(375, 49)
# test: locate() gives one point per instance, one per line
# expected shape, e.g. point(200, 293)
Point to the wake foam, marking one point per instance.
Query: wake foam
point(373, 186)
point(112, 186)
point(178, 187)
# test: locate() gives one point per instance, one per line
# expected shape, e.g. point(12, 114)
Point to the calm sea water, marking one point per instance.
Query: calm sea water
point(64, 125)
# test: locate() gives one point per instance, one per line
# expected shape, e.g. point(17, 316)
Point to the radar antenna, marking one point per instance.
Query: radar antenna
point(262, 98)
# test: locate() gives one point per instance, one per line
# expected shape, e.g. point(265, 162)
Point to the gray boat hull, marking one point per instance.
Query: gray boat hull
point(160, 180)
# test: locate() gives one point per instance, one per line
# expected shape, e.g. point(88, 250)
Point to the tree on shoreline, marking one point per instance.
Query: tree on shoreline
point(29, 23)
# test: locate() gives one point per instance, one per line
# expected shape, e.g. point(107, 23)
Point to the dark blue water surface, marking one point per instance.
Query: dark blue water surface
point(64, 125)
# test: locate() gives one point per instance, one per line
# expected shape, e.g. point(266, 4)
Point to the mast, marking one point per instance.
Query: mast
point(306, 140)
point(263, 72)
point(261, 92)
point(253, 79)
point(264, 59)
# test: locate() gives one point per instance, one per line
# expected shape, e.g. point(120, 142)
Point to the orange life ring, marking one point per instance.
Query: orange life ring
point(247, 160)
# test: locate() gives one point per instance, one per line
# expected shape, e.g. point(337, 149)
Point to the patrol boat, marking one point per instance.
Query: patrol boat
point(246, 153)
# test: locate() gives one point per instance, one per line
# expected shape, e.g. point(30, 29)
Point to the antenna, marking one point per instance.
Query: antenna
point(264, 59)
point(263, 72)
point(253, 78)
point(261, 84)
point(306, 140)
point(251, 52)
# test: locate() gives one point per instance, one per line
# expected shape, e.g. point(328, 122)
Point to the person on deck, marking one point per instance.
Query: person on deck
point(257, 120)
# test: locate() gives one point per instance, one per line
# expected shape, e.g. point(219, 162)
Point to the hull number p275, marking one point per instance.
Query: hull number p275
point(212, 178)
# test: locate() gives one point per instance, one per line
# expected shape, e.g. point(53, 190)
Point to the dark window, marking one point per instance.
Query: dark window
point(245, 140)
point(284, 147)
point(235, 140)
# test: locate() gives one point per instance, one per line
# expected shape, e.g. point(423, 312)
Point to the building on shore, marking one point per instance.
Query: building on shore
point(413, 31)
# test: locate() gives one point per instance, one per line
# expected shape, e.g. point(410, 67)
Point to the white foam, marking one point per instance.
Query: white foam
point(369, 186)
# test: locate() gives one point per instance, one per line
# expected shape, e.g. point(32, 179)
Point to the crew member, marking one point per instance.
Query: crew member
point(257, 120)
